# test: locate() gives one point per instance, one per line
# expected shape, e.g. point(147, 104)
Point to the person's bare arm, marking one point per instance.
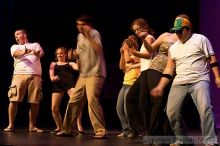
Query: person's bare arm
point(145, 54)
point(53, 78)
point(165, 79)
point(127, 56)
point(215, 70)
point(74, 65)
point(122, 60)
point(132, 66)
point(155, 45)
point(19, 53)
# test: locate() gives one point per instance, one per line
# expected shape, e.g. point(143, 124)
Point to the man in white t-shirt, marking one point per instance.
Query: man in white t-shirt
point(26, 79)
point(191, 57)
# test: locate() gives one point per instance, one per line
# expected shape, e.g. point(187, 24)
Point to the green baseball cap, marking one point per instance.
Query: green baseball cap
point(180, 23)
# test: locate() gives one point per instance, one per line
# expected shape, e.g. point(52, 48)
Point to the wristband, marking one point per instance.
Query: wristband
point(214, 64)
point(168, 76)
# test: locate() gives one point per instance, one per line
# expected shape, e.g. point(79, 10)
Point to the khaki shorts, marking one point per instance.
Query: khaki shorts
point(22, 84)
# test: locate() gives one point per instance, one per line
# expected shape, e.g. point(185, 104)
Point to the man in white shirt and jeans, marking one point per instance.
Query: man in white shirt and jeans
point(191, 57)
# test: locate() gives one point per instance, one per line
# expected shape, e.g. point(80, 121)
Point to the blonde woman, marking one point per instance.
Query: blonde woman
point(63, 74)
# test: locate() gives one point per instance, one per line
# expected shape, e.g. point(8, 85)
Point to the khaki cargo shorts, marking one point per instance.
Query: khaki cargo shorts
point(22, 84)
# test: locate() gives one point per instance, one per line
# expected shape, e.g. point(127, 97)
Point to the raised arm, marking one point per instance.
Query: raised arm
point(122, 61)
point(74, 65)
point(95, 40)
point(156, 44)
point(145, 54)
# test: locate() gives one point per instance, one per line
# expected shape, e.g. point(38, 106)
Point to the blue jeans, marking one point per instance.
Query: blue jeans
point(200, 93)
point(121, 108)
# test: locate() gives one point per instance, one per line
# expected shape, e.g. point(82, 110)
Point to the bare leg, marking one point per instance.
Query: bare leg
point(33, 113)
point(12, 111)
point(55, 107)
point(79, 123)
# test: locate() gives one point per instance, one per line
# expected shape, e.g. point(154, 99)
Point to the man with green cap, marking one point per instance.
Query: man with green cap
point(191, 57)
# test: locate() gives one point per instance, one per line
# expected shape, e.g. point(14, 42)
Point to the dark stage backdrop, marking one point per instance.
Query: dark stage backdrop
point(209, 26)
point(52, 24)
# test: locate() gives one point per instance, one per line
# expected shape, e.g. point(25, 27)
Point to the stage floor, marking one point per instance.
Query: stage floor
point(23, 138)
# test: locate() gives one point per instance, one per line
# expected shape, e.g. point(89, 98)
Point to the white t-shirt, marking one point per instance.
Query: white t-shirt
point(191, 59)
point(91, 63)
point(27, 63)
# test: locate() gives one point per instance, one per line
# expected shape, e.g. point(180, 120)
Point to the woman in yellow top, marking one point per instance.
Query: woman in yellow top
point(130, 65)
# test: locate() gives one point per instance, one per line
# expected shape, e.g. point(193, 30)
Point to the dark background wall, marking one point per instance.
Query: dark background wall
point(209, 26)
point(52, 24)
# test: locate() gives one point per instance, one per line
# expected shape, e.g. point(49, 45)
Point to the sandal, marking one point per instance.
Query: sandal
point(100, 135)
point(8, 129)
point(35, 129)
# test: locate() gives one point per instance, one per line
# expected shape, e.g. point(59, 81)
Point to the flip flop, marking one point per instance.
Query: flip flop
point(100, 135)
point(8, 129)
point(36, 130)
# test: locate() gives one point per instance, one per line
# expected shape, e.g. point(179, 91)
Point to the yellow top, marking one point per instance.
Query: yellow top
point(130, 76)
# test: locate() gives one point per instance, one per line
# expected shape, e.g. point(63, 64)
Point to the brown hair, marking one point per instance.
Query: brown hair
point(21, 29)
point(143, 23)
point(86, 19)
point(131, 41)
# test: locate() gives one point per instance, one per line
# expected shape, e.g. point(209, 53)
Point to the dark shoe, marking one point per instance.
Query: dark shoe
point(81, 132)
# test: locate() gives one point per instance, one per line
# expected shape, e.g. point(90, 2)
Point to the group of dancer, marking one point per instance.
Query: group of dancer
point(158, 73)
point(175, 64)
point(91, 68)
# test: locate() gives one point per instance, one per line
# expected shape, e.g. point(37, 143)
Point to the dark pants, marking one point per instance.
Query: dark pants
point(138, 104)
point(159, 123)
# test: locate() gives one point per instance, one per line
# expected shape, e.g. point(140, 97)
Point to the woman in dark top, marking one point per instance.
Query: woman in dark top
point(63, 74)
